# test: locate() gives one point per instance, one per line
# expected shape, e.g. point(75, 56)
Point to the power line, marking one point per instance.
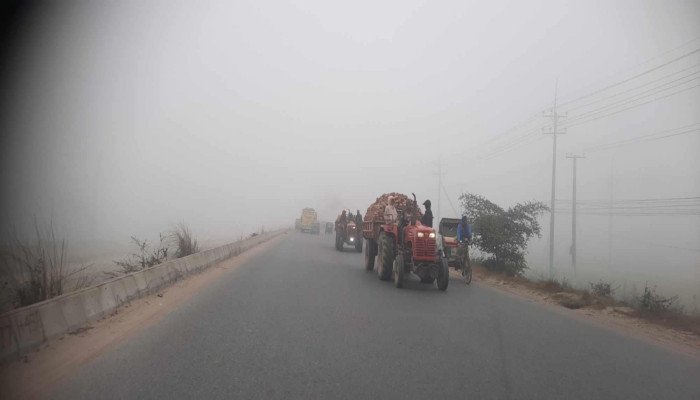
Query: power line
point(636, 97)
point(648, 61)
point(639, 87)
point(526, 139)
point(631, 107)
point(688, 54)
point(645, 200)
point(514, 143)
point(449, 200)
point(502, 134)
point(634, 214)
point(692, 128)
point(513, 129)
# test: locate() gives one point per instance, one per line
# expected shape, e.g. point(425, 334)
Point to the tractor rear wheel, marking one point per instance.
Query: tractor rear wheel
point(398, 271)
point(386, 256)
point(370, 254)
point(443, 277)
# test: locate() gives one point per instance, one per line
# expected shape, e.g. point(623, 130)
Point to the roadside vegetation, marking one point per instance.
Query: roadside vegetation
point(503, 234)
point(650, 306)
point(145, 256)
point(179, 242)
point(183, 241)
point(35, 267)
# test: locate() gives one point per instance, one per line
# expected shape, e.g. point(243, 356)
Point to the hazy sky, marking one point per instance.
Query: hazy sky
point(125, 117)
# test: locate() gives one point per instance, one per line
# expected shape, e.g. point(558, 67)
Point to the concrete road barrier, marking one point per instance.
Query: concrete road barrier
point(25, 328)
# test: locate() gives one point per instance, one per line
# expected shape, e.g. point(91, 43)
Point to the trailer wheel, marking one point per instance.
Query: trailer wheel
point(386, 256)
point(398, 271)
point(370, 254)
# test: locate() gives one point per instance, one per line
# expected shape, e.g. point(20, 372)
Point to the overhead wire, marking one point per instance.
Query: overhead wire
point(656, 68)
point(581, 122)
point(631, 99)
point(687, 129)
point(636, 88)
point(448, 199)
point(529, 136)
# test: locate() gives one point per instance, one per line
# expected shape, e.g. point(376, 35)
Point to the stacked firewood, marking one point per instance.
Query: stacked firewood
point(375, 212)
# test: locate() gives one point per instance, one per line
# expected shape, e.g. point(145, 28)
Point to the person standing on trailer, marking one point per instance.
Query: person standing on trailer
point(427, 218)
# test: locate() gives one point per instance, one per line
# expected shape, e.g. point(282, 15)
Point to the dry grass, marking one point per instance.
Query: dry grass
point(146, 257)
point(35, 268)
point(649, 307)
point(184, 242)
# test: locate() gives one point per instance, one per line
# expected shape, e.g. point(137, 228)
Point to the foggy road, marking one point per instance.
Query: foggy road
point(305, 321)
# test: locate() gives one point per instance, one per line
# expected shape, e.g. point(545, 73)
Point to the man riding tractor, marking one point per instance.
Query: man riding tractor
point(347, 232)
point(406, 245)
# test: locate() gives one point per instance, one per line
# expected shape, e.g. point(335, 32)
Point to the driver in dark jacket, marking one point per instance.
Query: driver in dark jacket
point(427, 219)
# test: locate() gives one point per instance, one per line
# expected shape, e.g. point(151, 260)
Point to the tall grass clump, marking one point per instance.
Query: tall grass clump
point(184, 242)
point(34, 268)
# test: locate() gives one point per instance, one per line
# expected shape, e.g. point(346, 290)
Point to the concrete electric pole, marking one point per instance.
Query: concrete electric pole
point(573, 213)
point(439, 175)
point(555, 119)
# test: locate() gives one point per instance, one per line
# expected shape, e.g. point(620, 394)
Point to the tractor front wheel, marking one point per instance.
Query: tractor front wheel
point(358, 245)
point(386, 256)
point(443, 277)
point(338, 242)
point(398, 271)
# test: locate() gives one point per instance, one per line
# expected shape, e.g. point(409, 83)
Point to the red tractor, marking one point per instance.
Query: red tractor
point(404, 246)
point(347, 233)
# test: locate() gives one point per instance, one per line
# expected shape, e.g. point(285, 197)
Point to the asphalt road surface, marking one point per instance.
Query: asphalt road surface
point(303, 321)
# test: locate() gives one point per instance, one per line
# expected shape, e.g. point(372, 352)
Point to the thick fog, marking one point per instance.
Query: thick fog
point(123, 118)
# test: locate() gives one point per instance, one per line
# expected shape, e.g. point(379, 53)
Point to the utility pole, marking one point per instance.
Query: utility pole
point(610, 214)
point(573, 213)
point(439, 175)
point(439, 187)
point(555, 119)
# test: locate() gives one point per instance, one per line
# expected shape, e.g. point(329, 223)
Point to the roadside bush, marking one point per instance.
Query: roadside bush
point(652, 303)
point(602, 288)
point(37, 269)
point(180, 239)
point(145, 257)
point(501, 233)
point(183, 240)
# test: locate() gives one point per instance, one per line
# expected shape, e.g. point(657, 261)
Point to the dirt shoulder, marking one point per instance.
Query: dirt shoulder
point(612, 315)
point(37, 373)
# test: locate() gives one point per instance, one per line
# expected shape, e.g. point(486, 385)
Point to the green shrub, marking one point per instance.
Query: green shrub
point(602, 288)
point(652, 303)
point(503, 234)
